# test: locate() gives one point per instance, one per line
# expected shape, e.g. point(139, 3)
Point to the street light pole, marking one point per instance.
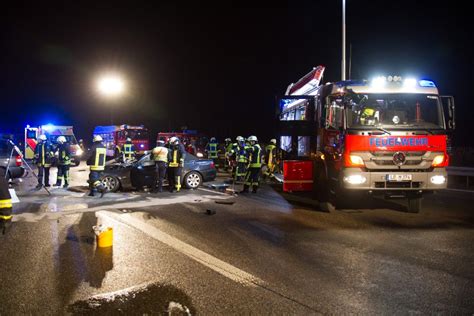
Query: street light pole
point(343, 66)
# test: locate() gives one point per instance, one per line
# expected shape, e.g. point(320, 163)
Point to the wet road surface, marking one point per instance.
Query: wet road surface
point(184, 253)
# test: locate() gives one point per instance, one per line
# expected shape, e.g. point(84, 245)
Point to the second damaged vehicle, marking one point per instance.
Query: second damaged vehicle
point(141, 174)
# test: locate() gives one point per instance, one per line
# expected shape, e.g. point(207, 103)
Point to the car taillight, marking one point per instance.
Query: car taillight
point(440, 161)
point(212, 165)
point(18, 161)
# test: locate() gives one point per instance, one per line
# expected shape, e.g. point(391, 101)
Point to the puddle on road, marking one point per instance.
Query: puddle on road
point(155, 299)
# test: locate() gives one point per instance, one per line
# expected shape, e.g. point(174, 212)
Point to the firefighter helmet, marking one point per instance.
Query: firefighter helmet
point(129, 139)
point(213, 140)
point(252, 138)
point(239, 139)
point(273, 141)
point(97, 138)
point(61, 139)
point(160, 142)
point(42, 137)
point(228, 140)
point(173, 139)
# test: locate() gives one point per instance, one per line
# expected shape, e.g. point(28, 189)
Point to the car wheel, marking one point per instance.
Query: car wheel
point(111, 183)
point(193, 180)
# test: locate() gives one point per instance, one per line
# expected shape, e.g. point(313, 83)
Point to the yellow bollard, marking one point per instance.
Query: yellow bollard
point(106, 238)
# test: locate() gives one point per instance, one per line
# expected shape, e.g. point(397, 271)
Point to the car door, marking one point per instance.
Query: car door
point(143, 173)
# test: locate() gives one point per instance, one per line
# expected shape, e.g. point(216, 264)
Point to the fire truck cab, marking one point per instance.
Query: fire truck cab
point(387, 136)
point(52, 132)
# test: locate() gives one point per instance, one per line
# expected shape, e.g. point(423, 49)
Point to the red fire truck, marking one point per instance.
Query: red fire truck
point(114, 136)
point(387, 136)
point(194, 142)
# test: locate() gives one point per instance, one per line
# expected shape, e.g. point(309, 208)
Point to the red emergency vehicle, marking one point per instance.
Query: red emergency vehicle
point(52, 132)
point(114, 136)
point(193, 142)
point(387, 136)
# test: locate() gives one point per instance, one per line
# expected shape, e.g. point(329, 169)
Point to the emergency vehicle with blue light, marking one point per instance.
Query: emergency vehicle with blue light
point(52, 132)
point(115, 136)
point(386, 136)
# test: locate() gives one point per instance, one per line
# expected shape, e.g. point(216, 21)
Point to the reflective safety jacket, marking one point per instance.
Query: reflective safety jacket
point(228, 148)
point(241, 152)
point(128, 150)
point(5, 200)
point(212, 150)
point(160, 154)
point(270, 154)
point(255, 156)
point(176, 156)
point(96, 157)
point(64, 154)
point(44, 153)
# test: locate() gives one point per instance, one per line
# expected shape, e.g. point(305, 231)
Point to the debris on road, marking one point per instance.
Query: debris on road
point(210, 212)
point(224, 202)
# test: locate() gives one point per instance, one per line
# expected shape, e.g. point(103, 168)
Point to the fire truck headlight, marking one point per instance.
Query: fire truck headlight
point(355, 179)
point(438, 161)
point(79, 152)
point(356, 161)
point(379, 81)
point(439, 179)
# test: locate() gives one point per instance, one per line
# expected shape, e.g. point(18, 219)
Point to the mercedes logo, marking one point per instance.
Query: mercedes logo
point(399, 158)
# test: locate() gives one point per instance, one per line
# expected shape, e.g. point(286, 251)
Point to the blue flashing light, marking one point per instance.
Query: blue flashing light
point(48, 127)
point(427, 83)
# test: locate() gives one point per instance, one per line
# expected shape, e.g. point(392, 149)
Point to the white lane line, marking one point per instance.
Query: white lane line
point(221, 267)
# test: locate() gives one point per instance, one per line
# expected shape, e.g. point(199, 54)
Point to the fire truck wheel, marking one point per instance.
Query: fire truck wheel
point(111, 183)
point(414, 205)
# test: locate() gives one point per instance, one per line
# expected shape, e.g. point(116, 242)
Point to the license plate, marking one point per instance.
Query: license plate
point(398, 177)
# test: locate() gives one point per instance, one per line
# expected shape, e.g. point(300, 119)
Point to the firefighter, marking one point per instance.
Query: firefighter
point(213, 151)
point(255, 164)
point(44, 153)
point(369, 116)
point(96, 162)
point(176, 157)
point(64, 162)
point(128, 150)
point(5, 204)
point(160, 155)
point(241, 154)
point(270, 159)
point(228, 145)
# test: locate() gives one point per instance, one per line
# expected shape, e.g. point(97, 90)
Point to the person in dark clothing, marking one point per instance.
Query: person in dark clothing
point(5, 204)
point(255, 164)
point(176, 156)
point(44, 153)
point(64, 162)
point(96, 162)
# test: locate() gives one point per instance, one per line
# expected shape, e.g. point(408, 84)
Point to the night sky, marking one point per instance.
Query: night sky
point(216, 67)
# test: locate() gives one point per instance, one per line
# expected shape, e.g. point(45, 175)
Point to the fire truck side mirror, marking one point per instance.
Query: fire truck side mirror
point(449, 111)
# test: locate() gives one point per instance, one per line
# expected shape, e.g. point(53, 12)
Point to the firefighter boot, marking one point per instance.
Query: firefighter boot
point(246, 189)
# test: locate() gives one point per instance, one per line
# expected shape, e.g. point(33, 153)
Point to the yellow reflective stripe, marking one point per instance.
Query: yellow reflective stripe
point(95, 168)
point(6, 217)
point(42, 154)
point(178, 183)
point(5, 203)
point(175, 156)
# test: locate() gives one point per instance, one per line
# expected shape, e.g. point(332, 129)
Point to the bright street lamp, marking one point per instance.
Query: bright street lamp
point(111, 85)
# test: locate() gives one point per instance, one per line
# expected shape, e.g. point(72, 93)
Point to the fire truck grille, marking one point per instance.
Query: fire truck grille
point(397, 185)
point(383, 158)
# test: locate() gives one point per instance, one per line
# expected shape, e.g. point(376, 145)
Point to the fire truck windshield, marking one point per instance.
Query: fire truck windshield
point(394, 111)
point(136, 134)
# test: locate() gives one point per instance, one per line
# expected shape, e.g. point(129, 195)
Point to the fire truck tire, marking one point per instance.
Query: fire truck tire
point(414, 205)
point(322, 192)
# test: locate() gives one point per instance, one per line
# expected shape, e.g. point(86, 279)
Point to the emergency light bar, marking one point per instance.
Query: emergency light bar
point(408, 82)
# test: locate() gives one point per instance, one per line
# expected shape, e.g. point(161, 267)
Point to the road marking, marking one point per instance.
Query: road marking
point(221, 267)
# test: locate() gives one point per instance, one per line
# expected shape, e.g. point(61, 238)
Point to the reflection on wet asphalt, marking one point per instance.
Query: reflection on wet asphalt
point(155, 299)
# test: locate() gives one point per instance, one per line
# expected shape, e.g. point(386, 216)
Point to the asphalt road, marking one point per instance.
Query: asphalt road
point(203, 252)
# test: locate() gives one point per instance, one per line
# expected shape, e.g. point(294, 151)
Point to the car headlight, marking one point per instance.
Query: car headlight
point(199, 155)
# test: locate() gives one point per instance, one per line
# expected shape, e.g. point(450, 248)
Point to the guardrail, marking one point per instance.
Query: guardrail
point(461, 171)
